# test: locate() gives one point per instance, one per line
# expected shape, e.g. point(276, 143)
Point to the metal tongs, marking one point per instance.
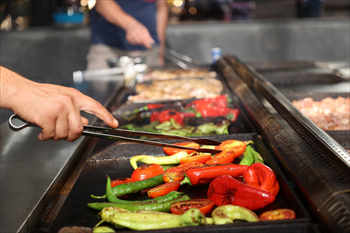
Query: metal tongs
point(178, 58)
point(109, 133)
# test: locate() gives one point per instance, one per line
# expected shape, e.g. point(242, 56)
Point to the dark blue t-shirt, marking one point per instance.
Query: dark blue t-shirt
point(103, 32)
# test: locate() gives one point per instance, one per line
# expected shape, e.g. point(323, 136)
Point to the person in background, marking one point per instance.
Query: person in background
point(56, 109)
point(309, 8)
point(120, 27)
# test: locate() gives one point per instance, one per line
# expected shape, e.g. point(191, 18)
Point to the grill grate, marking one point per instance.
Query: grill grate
point(318, 172)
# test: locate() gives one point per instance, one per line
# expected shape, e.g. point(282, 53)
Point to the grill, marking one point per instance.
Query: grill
point(311, 165)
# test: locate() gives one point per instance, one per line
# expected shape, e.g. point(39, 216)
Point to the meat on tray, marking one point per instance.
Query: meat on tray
point(178, 89)
point(328, 114)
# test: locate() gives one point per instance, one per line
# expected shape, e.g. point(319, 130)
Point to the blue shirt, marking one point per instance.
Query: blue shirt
point(103, 32)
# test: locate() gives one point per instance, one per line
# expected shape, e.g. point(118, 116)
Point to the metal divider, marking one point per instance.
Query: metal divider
point(320, 175)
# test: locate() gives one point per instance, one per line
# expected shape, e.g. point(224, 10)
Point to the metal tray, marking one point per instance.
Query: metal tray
point(316, 163)
point(114, 161)
point(240, 125)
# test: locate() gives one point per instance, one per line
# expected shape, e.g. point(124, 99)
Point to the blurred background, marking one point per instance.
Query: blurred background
point(47, 40)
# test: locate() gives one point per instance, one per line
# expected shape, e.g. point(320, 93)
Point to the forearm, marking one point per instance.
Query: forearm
point(114, 14)
point(12, 84)
point(162, 20)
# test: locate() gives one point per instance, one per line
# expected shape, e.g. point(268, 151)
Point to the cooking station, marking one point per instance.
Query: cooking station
point(311, 164)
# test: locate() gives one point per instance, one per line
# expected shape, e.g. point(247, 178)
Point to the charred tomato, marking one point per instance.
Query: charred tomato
point(171, 151)
point(180, 207)
point(147, 171)
point(163, 189)
point(278, 214)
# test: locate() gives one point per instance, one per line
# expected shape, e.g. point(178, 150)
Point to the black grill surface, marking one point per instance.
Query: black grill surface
point(114, 161)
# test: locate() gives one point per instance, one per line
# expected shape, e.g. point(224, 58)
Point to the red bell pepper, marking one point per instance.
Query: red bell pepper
point(166, 115)
point(153, 106)
point(178, 173)
point(211, 110)
point(232, 114)
point(207, 173)
point(154, 116)
point(261, 176)
point(226, 190)
point(231, 149)
point(218, 101)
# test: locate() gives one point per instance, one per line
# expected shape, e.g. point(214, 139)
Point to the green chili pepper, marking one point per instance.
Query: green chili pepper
point(192, 217)
point(173, 159)
point(257, 157)
point(159, 206)
point(134, 187)
point(248, 157)
point(226, 214)
point(112, 198)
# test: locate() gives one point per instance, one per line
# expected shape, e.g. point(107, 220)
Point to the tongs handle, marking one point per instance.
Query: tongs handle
point(177, 57)
point(86, 132)
point(153, 135)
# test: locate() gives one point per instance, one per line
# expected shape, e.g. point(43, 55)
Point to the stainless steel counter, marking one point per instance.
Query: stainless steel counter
point(33, 172)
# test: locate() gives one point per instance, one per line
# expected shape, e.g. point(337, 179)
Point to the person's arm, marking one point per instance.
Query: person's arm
point(136, 32)
point(56, 109)
point(162, 22)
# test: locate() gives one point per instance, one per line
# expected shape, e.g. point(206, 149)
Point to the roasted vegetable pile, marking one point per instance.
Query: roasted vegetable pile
point(209, 116)
point(237, 181)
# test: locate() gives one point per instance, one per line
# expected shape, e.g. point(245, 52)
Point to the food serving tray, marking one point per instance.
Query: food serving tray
point(240, 125)
point(114, 161)
point(341, 136)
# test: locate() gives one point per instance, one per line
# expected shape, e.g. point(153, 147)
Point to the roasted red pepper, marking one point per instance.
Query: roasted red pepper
point(196, 159)
point(232, 114)
point(207, 173)
point(166, 115)
point(154, 116)
point(261, 176)
point(171, 151)
point(226, 190)
point(153, 106)
point(211, 110)
point(231, 149)
point(218, 101)
point(178, 173)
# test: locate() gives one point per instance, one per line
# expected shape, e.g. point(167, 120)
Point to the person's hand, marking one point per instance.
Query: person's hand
point(138, 34)
point(56, 109)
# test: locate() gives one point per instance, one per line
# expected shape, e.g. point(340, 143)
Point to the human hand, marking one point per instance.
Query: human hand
point(138, 34)
point(56, 109)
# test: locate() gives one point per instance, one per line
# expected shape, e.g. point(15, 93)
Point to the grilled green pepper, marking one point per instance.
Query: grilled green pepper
point(173, 159)
point(193, 217)
point(158, 206)
point(226, 214)
point(103, 229)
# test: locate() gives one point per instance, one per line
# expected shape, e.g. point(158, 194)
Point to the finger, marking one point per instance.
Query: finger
point(75, 126)
point(48, 130)
point(61, 128)
point(92, 106)
point(84, 120)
